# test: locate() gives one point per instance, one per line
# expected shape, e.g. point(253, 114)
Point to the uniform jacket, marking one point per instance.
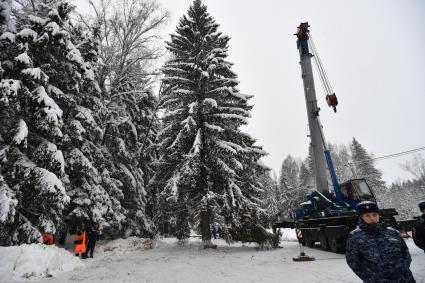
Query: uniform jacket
point(93, 234)
point(418, 233)
point(378, 254)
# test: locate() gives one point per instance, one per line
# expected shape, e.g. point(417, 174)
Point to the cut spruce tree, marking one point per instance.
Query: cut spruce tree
point(208, 167)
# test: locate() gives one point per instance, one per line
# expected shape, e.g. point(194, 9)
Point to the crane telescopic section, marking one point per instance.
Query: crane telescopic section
point(316, 136)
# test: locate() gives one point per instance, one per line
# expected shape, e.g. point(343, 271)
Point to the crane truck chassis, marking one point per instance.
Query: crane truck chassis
point(328, 217)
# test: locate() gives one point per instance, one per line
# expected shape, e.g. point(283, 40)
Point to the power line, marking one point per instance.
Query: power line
point(389, 156)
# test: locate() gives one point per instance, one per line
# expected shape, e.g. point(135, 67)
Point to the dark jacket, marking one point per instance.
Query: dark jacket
point(418, 233)
point(93, 234)
point(378, 254)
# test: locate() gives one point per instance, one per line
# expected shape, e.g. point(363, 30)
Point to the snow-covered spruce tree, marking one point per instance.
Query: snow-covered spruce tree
point(310, 163)
point(61, 60)
point(341, 159)
point(8, 203)
point(365, 168)
point(206, 162)
point(294, 192)
point(305, 177)
point(289, 172)
point(274, 198)
point(31, 128)
point(96, 194)
point(404, 195)
point(125, 77)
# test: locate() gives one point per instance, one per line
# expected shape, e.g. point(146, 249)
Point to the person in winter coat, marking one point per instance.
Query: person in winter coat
point(48, 238)
point(418, 232)
point(93, 234)
point(80, 240)
point(214, 232)
point(377, 253)
point(220, 232)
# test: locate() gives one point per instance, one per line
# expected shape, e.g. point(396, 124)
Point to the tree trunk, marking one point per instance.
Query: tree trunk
point(205, 227)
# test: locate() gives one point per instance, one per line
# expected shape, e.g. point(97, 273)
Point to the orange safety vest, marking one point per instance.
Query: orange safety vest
point(80, 243)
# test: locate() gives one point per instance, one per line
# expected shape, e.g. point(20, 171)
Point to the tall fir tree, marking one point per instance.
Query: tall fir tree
point(365, 168)
point(51, 147)
point(289, 173)
point(125, 77)
point(341, 158)
point(274, 198)
point(31, 129)
point(207, 164)
point(295, 182)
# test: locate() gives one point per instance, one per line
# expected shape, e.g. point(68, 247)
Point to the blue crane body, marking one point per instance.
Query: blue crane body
point(326, 217)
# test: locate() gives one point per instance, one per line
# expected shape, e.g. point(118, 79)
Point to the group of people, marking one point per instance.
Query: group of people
point(377, 253)
point(217, 232)
point(85, 240)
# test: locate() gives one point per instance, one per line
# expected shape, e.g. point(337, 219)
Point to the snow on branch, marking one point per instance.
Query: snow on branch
point(49, 184)
point(224, 167)
point(210, 102)
point(35, 74)
point(231, 116)
point(26, 34)
point(9, 88)
point(22, 133)
point(188, 123)
point(192, 106)
point(197, 144)
point(7, 36)
point(172, 187)
point(54, 113)
point(224, 145)
point(235, 110)
point(24, 59)
point(8, 202)
point(213, 127)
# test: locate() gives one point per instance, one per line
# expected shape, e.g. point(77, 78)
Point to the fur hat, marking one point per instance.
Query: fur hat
point(366, 206)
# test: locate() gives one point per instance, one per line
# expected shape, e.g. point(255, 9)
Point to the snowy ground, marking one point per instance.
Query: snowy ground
point(128, 261)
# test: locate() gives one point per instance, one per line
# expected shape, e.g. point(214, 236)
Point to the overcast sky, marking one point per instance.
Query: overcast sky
point(373, 53)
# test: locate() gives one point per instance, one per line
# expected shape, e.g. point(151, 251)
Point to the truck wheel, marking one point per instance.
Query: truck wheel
point(337, 245)
point(324, 243)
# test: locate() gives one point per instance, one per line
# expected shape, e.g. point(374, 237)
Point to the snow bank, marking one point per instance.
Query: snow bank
point(129, 244)
point(35, 261)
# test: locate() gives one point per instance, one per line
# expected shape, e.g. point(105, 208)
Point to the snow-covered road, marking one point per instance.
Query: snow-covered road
point(127, 261)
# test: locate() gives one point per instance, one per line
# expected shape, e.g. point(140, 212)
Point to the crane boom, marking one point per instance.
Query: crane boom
point(317, 142)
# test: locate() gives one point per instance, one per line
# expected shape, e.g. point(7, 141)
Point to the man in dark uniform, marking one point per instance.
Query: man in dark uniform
point(418, 231)
point(93, 234)
point(377, 253)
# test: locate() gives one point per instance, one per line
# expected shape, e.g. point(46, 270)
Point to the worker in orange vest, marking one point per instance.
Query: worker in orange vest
point(48, 238)
point(80, 240)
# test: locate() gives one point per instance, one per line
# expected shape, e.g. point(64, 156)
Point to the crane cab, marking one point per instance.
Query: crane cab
point(355, 191)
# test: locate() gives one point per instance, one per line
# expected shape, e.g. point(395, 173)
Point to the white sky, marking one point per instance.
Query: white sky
point(373, 53)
